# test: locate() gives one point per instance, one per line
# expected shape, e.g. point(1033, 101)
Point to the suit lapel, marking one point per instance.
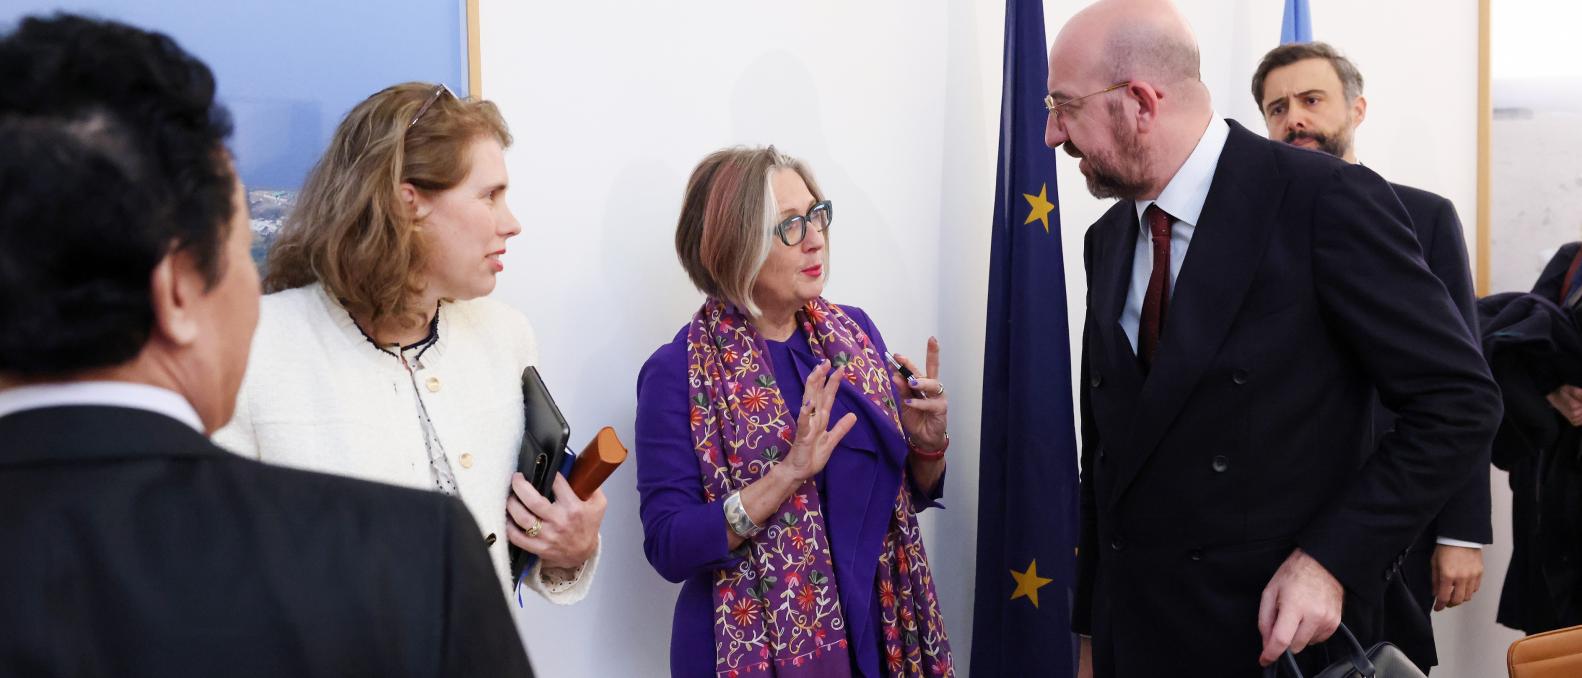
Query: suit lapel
point(1116, 239)
point(1227, 246)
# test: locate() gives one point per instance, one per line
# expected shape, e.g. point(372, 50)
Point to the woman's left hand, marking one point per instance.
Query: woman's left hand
point(925, 406)
point(565, 533)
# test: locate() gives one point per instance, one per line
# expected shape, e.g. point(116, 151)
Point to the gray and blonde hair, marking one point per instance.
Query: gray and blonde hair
point(728, 217)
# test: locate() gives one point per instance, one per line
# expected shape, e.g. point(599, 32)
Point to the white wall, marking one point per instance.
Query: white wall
point(895, 106)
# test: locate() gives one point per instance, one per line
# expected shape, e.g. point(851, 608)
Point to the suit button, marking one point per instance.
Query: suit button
point(1239, 376)
point(1221, 463)
point(466, 460)
point(1094, 380)
point(433, 384)
point(1118, 544)
point(1104, 455)
point(489, 540)
point(1195, 554)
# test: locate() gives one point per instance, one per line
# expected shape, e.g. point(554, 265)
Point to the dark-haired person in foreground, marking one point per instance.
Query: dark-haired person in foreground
point(1310, 95)
point(133, 546)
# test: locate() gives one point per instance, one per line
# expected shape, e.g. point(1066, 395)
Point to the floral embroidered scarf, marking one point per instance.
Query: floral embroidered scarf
point(777, 612)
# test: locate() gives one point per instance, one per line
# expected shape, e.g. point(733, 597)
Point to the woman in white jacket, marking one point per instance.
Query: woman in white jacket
point(377, 354)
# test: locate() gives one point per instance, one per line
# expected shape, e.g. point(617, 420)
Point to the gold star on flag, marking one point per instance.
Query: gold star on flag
point(1028, 583)
point(1039, 206)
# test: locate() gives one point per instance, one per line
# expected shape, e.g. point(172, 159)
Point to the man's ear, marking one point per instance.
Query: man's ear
point(1359, 110)
point(175, 288)
point(1147, 99)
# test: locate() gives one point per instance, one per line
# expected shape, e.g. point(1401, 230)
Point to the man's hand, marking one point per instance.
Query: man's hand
point(1567, 400)
point(1085, 658)
point(1458, 571)
point(1300, 606)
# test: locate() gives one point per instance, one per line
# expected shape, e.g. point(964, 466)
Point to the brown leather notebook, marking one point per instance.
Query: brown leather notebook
point(598, 460)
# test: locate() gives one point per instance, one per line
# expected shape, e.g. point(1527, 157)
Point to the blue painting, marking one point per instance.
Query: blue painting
point(288, 70)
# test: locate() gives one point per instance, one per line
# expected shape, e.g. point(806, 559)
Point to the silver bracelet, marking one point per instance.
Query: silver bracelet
point(736, 516)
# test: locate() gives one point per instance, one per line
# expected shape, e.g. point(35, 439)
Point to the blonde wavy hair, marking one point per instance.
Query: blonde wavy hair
point(349, 230)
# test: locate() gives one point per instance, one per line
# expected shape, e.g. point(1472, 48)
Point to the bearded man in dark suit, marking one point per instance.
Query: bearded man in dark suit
point(1311, 96)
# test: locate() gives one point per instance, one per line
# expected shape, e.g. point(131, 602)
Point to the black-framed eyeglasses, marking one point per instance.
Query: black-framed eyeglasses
point(1058, 107)
point(793, 230)
point(438, 90)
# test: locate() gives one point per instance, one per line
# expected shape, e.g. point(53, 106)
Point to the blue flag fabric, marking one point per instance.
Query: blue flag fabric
point(1027, 490)
point(1297, 24)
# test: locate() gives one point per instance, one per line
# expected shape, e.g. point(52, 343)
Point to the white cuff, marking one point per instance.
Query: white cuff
point(1447, 541)
point(568, 591)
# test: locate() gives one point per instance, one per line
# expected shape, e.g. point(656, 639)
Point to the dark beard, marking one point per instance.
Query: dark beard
point(1106, 177)
point(1333, 144)
point(1120, 174)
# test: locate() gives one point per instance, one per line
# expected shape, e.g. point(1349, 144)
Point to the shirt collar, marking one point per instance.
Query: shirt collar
point(103, 393)
point(1184, 196)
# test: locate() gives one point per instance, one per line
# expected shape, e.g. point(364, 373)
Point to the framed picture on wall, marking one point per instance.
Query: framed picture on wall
point(289, 70)
point(1530, 141)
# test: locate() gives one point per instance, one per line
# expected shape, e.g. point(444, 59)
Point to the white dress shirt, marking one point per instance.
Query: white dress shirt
point(1182, 199)
point(101, 393)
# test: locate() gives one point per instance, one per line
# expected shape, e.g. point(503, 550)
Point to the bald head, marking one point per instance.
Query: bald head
point(1129, 40)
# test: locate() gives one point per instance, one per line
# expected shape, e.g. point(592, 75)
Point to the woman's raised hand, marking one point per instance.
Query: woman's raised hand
point(814, 439)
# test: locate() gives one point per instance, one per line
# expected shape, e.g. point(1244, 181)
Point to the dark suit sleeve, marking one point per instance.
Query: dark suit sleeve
point(1087, 536)
point(1467, 515)
point(1379, 298)
point(479, 637)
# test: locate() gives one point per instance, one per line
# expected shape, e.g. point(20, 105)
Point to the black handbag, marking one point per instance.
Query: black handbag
point(1380, 661)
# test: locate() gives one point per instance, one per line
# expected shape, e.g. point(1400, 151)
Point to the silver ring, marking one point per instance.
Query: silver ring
point(941, 390)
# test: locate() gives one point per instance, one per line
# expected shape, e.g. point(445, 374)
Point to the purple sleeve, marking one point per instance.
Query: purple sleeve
point(920, 499)
point(682, 534)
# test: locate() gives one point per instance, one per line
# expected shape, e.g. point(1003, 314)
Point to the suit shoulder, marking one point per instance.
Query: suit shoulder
point(1419, 201)
point(1413, 194)
point(312, 498)
point(1305, 163)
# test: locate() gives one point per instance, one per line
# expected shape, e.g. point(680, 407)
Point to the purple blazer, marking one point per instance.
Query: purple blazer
point(684, 537)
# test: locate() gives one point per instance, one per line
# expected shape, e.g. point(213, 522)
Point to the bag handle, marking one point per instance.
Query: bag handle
point(1359, 658)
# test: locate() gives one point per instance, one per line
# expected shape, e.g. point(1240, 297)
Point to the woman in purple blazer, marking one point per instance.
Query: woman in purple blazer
point(796, 541)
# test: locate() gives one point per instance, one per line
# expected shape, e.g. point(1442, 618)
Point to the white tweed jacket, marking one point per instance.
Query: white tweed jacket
point(319, 396)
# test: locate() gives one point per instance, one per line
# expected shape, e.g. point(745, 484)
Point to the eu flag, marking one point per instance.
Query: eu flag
point(1027, 492)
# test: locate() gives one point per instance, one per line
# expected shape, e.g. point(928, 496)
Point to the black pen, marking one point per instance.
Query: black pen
point(905, 373)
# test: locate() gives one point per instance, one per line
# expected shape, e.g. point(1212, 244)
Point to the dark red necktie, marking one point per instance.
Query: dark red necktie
point(1156, 301)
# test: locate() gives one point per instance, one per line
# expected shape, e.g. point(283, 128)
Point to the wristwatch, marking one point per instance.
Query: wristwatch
point(736, 516)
